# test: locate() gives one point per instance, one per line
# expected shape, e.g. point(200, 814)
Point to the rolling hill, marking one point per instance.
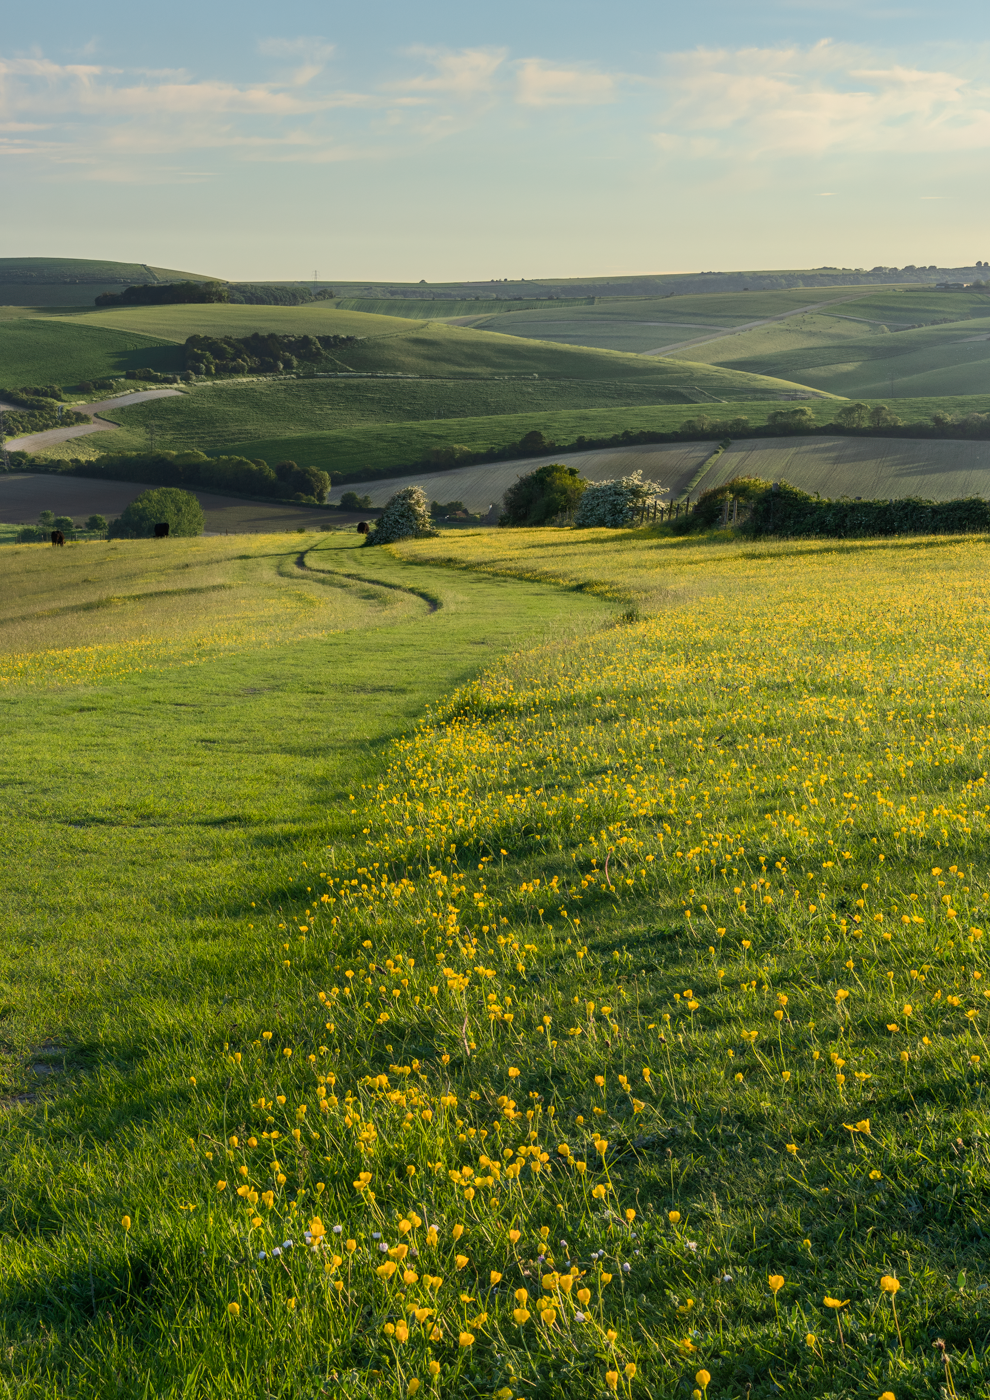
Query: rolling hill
point(76, 281)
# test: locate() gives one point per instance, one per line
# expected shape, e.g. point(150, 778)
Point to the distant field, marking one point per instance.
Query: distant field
point(376, 449)
point(871, 468)
point(24, 496)
point(423, 309)
point(254, 416)
point(178, 322)
point(50, 351)
point(868, 348)
point(34, 281)
point(672, 466)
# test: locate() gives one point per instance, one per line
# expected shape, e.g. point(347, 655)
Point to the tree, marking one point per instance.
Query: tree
point(405, 517)
point(350, 500)
point(882, 417)
point(96, 522)
point(791, 418)
point(180, 509)
point(438, 511)
point(613, 504)
point(65, 523)
point(47, 519)
point(853, 415)
point(542, 494)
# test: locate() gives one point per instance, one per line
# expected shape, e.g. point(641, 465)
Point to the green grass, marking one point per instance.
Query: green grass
point(179, 322)
point(617, 855)
point(49, 351)
point(363, 452)
point(423, 309)
point(64, 282)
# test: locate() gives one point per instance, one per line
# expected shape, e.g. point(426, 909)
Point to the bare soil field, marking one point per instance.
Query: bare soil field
point(672, 465)
point(23, 497)
point(869, 467)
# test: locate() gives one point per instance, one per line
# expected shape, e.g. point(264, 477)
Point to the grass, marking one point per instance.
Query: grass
point(634, 998)
point(48, 351)
point(178, 322)
point(363, 452)
point(860, 358)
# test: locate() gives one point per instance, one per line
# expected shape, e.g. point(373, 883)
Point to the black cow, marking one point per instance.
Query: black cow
point(57, 537)
point(362, 528)
point(161, 531)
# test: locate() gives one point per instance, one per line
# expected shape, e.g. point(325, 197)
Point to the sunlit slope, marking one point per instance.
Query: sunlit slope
point(102, 610)
point(178, 322)
point(389, 345)
point(865, 351)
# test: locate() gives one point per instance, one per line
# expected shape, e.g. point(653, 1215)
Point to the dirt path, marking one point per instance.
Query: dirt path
point(32, 441)
point(751, 325)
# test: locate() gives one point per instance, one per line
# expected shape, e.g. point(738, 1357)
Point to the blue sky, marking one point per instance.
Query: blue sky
point(382, 141)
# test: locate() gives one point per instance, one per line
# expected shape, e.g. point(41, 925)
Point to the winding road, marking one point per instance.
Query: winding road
point(31, 442)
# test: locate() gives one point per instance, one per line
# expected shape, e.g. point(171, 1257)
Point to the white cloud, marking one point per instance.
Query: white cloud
point(540, 84)
point(826, 98)
point(466, 73)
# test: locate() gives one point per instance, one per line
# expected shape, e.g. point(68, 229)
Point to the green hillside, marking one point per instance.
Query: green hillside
point(178, 322)
point(363, 452)
point(860, 358)
point(48, 351)
point(76, 281)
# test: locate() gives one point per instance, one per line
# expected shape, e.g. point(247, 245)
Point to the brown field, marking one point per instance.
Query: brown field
point(23, 497)
point(872, 468)
point(672, 465)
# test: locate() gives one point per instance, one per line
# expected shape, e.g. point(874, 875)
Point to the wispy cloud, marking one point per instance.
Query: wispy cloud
point(812, 101)
point(466, 73)
point(541, 84)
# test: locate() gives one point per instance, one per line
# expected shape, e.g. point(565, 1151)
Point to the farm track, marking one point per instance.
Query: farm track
point(31, 442)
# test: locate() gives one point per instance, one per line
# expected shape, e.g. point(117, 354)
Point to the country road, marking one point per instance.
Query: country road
point(32, 441)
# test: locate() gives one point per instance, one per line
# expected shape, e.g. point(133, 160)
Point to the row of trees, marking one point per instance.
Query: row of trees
point(165, 294)
point(287, 480)
point(49, 521)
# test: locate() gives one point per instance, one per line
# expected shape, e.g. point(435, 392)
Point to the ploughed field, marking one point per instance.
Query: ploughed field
point(429, 990)
point(673, 466)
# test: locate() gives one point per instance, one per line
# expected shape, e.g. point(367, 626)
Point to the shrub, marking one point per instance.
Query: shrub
point(438, 510)
point(350, 500)
point(405, 517)
point(180, 509)
point(542, 495)
point(784, 510)
point(30, 534)
point(708, 508)
point(613, 504)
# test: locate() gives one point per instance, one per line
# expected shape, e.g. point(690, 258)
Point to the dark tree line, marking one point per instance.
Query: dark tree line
point(258, 353)
point(165, 294)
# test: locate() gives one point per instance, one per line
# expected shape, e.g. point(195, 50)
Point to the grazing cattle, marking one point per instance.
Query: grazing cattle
point(161, 531)
point(362, 528)
point(58, 537)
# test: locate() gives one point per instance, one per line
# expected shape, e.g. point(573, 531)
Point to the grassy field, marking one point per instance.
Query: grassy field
point(292, 417)
point(378, 448)
point(620, 1029)
point(48, 351)
point(878, 346)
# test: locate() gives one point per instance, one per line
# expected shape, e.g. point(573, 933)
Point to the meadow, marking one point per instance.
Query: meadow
point(596, 1012)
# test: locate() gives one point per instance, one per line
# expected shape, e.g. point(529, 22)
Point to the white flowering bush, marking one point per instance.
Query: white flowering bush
point(612, 504)
point(406, 516)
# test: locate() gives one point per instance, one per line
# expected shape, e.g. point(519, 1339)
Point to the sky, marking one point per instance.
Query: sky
point(385, 141)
